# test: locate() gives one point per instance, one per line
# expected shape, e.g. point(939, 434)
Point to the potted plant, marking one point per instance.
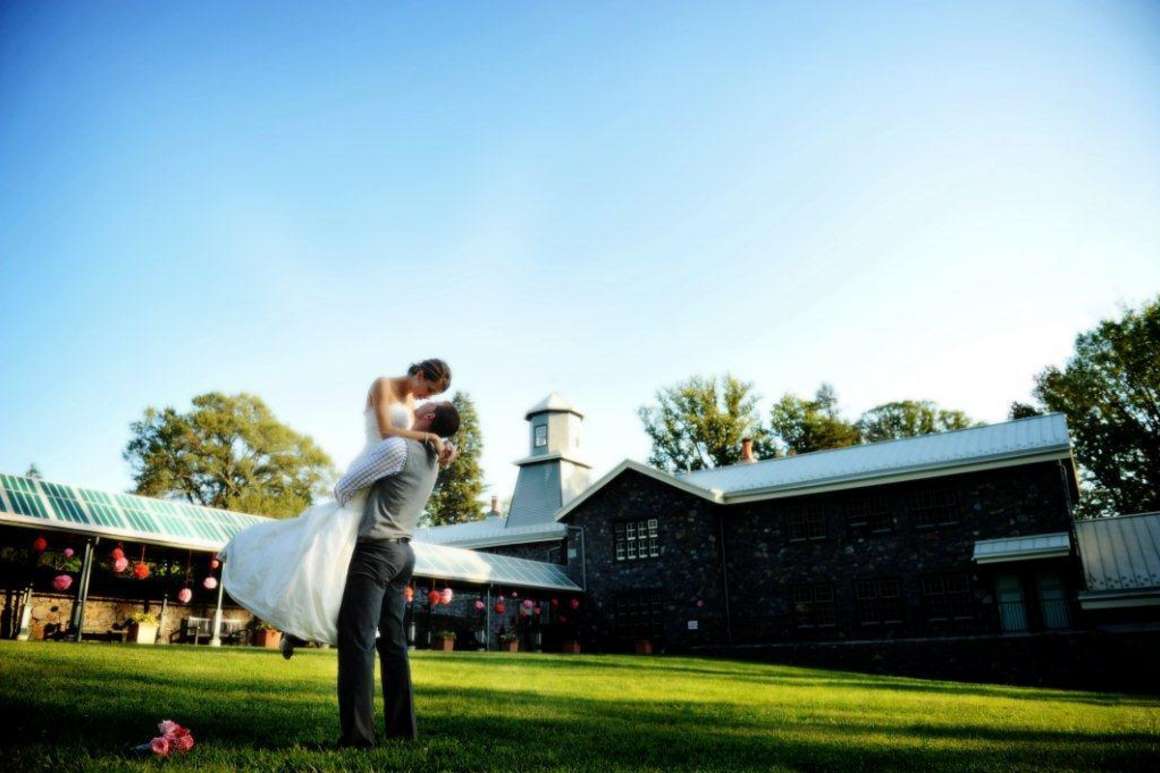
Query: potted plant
point(446, 640)
point(266, 635)
point(644, 647)
point(509, 641)
point(143, 628)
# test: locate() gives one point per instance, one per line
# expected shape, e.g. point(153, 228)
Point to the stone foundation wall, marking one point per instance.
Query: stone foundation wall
point(1093, 660)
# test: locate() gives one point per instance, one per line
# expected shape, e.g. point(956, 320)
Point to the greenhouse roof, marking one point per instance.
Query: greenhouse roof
point(60, 507)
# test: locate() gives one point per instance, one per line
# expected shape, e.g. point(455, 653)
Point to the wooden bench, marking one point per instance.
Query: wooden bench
point(194, 629)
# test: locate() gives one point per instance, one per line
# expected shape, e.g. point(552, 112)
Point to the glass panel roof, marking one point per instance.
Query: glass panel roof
point(42, 504)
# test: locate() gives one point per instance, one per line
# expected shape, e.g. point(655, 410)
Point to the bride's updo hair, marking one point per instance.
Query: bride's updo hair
point(446, 420)
point(436, 372)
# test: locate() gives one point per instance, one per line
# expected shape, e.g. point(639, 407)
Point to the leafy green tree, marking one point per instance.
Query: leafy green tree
point(1020, 410)
point(459, 487)
point(699, 423)
point(799, 426)
point(1110, 391)
point(227, 452)
point(908, 418)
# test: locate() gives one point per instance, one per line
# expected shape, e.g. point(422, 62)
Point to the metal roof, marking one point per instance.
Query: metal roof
point(1038, 436)
point(1120, 553)
point(59, 507)
point(553, 402)
point(490, 532)
point(1032, 546)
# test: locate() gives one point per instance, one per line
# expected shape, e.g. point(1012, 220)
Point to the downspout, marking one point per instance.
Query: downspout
point(725, 576)
point(78, 615)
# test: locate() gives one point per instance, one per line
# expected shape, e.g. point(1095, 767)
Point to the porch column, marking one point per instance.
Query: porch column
point(216, 639)
point(77, 622)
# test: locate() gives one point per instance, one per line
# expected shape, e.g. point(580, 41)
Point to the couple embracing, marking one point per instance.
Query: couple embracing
point(338, 571)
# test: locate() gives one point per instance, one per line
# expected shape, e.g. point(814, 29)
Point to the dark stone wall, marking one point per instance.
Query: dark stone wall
point(767, 552)
point(1091, 660)
point(686, 572)
point(765, 560)
point(551, 552)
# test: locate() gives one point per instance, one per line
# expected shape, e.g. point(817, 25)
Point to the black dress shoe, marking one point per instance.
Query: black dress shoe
point(288, 644)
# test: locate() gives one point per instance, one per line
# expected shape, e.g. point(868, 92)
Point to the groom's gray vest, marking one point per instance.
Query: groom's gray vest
point(395, 501)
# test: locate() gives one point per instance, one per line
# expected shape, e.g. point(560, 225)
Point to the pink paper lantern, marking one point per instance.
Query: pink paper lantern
point(555, 602)
point(214, 563)
point(536, 610)
point(117, 554)
point(40, 544)
point(479, 605)
point(209, 583)
point(515, 594)
point(700, 603)
point(62, 582)
point(528, 604)
point(575, 603)
point(446, 596)
point(120, 564)
point(68, 552)
point(184, 595)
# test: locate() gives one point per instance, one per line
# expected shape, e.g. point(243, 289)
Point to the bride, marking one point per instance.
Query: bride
point(291, 573)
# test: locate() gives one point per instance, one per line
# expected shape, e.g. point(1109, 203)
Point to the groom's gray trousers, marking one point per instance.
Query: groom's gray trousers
point(379, 573)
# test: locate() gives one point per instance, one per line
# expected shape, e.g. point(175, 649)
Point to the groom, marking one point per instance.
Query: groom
point(403, 471)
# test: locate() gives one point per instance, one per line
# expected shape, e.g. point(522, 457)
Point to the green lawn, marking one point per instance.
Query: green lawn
point(68, 706)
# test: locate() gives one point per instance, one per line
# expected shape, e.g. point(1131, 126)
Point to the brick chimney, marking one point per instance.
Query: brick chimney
point(747, 456)
point(494, 505)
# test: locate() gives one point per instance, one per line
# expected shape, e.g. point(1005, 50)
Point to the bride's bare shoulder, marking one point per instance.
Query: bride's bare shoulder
point(382, 389)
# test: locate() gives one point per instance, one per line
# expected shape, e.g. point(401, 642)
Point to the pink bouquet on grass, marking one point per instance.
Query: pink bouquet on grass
point(174, 739)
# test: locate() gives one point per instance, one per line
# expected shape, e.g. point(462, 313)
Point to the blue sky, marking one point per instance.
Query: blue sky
point(909, 200)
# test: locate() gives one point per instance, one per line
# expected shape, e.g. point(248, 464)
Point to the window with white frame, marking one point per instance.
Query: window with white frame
point(637, 539)
point(541, 435)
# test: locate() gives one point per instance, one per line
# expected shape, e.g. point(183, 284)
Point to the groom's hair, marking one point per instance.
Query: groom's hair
point(446, 420)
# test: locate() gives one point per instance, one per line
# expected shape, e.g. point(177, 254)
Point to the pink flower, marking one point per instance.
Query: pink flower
point(184, 595)
point(62, 582)
point(159, 746)
point(182, 743)
point(168, 727)
point(120, 564)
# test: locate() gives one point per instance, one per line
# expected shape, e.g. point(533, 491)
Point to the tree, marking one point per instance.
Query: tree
point(1110, 391)
point(800, 426)
point(459, 487)
point(908, 418)
point(1020, 410)
point(227, 452)
point(699, 423)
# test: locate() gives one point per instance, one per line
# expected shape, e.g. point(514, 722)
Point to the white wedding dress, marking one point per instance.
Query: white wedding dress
point(291, 573)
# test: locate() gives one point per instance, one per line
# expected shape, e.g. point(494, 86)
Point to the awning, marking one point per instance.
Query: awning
point(1033, 546)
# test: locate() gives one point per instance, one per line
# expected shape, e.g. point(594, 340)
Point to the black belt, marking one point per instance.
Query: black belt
point(397, 539)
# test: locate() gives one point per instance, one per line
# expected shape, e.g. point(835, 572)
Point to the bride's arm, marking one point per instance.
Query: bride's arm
point(381, 398)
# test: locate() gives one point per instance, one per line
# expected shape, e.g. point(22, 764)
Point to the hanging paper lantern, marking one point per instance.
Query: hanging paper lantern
point(575, 603)
point(500, 608)
point(408, 594)
point(120, 564)
point(515, 594)
point(184, 595)
point(62, 582)
point(555, 602)
point(117, 554)
point(479, 605)
point(528, 604)
point(209, 583)
point(214, 563)
point(446, 596)
point(700, 603)
point(434, 597)
point(40, 544)
point(141, 570)
point(68, 552)
point(536, 610)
